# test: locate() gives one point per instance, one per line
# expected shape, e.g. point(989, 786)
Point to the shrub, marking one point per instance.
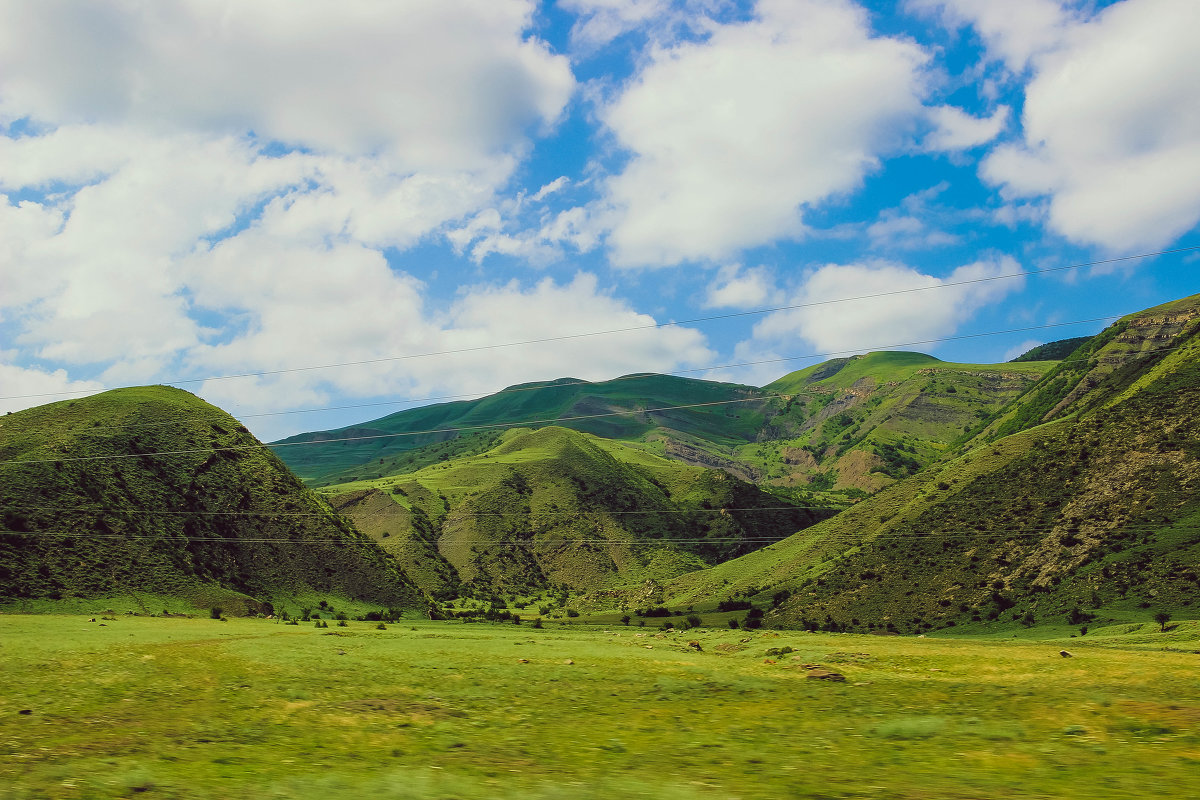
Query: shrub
point(625, 619)
point(215, 612)
point(343, 624)
point(537, 622)
point(733, 623)
point(381, 627)
point(734, 605)
point(572, 612)
point(694, 621)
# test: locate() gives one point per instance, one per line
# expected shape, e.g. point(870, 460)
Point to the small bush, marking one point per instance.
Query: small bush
point(572, 612)
point(537, 622)
point(733, 623)
point(343, 624)
point(381, 627)
point(626, 619)
point(215, 612)
point(694, 621)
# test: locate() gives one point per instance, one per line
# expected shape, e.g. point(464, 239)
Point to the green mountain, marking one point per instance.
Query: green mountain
point(1052, 351)
point(558, 508)
point(850, 425)
point(718, 414)
point(866, 421)
point(151, 490)
point(1079, 499)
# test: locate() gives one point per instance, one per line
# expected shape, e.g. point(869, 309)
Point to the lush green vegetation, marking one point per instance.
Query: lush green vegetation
point(825, 429)
point(624, 408)
point(199, 708)
point(557, 507)
point(152, 490)
point(1091, 517)
point(1052, 351)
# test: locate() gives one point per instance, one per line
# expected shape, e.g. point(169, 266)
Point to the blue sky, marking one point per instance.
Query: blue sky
point(194, 190)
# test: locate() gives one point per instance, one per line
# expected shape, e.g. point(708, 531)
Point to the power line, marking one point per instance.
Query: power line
point(835, 538)
point(641, 376)
point(652, 326)
point(430, 431)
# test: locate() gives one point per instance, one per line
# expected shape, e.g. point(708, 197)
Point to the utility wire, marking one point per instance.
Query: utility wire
point(652, 326)
point(641, 376)
point(834, 538)
point(430, 431)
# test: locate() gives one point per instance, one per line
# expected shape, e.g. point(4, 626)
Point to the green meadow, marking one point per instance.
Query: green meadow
point(155, 707)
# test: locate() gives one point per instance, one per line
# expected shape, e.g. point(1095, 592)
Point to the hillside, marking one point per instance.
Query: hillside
point(560, 508)
point(842, 428)
point(1078, 501)
point(87, 510)
point(866, 421)
point(722, 414)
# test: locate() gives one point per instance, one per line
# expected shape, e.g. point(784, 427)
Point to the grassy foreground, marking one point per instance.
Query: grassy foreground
point(199, 708)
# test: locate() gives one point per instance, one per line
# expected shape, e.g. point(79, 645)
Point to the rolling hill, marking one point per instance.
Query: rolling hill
point(848, 426)
point(555, 507)
point(151, 490)
point(1078, 500)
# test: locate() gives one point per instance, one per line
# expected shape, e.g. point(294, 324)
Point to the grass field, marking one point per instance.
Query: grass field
point(200, 708)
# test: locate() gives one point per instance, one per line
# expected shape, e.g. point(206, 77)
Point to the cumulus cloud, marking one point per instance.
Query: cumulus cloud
point(38, 386)
point(380, 318)
point(1015, 30)
point(1111, 124)
point(601, 21)
point(730, 137)
point(162, 142)
point(1111, 116)
point(735, 287)
point(437, 83)
point(911, 306)
point(955, 129)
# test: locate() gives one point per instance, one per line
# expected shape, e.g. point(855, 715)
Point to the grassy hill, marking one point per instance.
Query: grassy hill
point(866, 421)
point(624, 408)
point(1078, 501)
point(846, 427)
point(90, 505)
point(558, 508)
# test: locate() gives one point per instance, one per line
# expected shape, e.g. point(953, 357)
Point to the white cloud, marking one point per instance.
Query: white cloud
point(1014, 30)
point(896, 231)
point(954, 129)
point(38, 386)
point(1111, 118)
point(149, 131)
point(732, 136)
point(321, 315)
point(436, 83)
point(738, 288)
point(913, 307)
point(601, 21)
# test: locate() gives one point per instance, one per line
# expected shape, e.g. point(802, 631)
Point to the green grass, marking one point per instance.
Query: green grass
point(196, 708)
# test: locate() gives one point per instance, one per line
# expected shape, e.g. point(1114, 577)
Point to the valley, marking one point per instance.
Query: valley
point(200, 708)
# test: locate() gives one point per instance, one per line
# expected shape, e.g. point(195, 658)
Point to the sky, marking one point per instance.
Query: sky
point(313, 213)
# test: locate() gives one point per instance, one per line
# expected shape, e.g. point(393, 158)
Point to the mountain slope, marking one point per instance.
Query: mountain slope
point(86, 510)
point(623, 408)
point(556, 507)
point(1088, 505)
point(866, 421)
point(849, 425)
